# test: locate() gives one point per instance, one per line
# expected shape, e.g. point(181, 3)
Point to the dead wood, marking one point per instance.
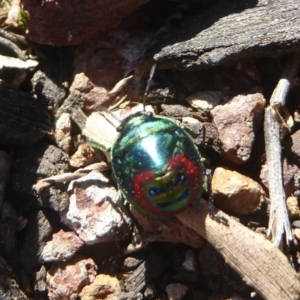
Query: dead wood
point(231, 31)
point(23, 119)
point(279, 223)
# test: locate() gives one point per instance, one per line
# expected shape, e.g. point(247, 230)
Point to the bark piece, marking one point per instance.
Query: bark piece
point(152, 267)
point(256, 259)
point(23, 119)
point(231, 31)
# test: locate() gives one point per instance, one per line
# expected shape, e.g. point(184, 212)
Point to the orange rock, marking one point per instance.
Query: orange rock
point(236, 193)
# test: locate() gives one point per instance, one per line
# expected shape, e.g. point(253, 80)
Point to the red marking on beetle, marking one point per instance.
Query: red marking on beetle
point(178, 161)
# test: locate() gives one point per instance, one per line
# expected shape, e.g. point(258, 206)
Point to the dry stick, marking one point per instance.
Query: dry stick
point(256, 259)
point(278, 221)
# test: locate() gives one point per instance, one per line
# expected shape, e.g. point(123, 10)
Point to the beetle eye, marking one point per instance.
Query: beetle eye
point(179, 179)
point(155, 191)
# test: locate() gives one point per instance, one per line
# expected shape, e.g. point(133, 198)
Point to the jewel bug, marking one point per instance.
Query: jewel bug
point(156, 165)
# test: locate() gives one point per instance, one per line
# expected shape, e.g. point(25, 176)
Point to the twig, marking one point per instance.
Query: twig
point(257, 260)
point(65, 177)
point(278, 221)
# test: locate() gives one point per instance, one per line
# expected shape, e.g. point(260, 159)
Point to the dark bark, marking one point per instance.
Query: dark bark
point(23, 119)
point(230, 31)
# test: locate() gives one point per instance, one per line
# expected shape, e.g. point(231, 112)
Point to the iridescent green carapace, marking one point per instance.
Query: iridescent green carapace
point(156, 165)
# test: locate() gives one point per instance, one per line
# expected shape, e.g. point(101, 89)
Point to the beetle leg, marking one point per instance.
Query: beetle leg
point(129, 219)
point(212, 209)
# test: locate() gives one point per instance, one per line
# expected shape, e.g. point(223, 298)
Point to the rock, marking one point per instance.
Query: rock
point(292, 146)
point(35, 163)
point(176, 111)
point(47, 83)
point(40, 286)
point(74, 100)
point(205, 100)
point(289, 172)
point(189, 262)
point(92, 211)
point(296, 224)
point(150, 292)
point(38, 233)
point(101, 65)
point(66, 280)
point(293, 207)
point(45, 160)
point(74, 24)
point(297, 234)
point(103, 287)
point(130, 263)
point(237, 121)
point(84, 156)
point(63, 132)
point(202, 134)
point(236, 193)
point(62, 247)
point(176, 291)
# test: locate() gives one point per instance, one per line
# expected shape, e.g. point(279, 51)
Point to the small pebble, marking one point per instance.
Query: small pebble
point(297, 234)
point(237, 121)
point(63, 132)
point(292, 145)
point(131, 263)
point(236, 193)
point(62, 247)
point(92, 212)
point(84, 156)
point(205, 100)
point(176, 291)
point(293, 207)
point(103, 287)
point(66, 279)
point(296, 224)
point(189, 262)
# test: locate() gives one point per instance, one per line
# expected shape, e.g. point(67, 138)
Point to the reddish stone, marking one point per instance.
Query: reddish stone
point(237, 121)
point(61, 23)
point(66, 279)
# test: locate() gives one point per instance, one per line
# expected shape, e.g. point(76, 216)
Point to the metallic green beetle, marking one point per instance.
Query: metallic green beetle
point(156, 165)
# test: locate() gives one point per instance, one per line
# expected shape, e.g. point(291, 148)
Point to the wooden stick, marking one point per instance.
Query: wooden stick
point(279, 221)
point(256, 259)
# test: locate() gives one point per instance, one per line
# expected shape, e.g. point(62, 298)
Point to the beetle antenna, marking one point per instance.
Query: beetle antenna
point(146, 93)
